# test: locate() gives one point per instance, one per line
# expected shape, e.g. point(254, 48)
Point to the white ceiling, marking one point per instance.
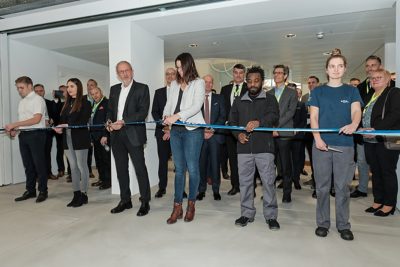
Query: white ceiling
point(251, 30)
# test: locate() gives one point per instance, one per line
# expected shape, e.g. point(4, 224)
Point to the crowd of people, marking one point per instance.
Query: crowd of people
point(204, 152)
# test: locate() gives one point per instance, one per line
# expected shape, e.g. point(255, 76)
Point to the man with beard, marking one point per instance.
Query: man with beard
point(255, 109)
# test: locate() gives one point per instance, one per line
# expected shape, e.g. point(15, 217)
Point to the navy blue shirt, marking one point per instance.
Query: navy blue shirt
point(334, 105)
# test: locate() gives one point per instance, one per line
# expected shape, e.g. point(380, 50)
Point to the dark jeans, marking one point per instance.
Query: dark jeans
point(47, 150)
point(103, 162)
point(210, 157)
point(383, 163)
point(164, 151)
point(31, 147)
point(224, 159)
point(186, 147)
point(122, 149)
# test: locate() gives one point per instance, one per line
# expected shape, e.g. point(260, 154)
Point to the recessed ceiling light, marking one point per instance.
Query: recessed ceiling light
point(327, 53)
point(193, 45)
point(290, 35)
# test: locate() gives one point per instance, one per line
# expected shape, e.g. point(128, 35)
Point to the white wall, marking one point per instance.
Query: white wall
point(50, 69)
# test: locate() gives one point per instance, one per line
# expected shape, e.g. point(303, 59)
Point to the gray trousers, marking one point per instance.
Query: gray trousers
point(266, 168)
point(79, 169)
point(342, 167)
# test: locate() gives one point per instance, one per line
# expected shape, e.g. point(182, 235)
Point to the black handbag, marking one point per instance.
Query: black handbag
point(390, 142)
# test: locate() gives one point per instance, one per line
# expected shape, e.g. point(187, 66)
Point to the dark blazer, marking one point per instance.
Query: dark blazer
point(300, 118)
point(217, 115)
point(80, 137)
point(51, 110)
point(100, 117)
point(226, 91)
point(391, 119)
point(136, 109)
point(287, 109)
point(159, 101)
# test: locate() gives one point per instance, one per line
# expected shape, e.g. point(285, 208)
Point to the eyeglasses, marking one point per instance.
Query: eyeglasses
point(278, 72)
point(378, 78)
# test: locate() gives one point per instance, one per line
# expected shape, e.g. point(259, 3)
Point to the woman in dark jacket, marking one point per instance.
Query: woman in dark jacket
point(381, 160)
point(76, 111)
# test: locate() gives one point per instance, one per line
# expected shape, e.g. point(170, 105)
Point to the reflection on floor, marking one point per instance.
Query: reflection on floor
point(50, 234)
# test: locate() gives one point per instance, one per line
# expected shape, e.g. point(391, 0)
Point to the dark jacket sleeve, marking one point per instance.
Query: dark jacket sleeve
point(234, 117)
point(271, 118)
point(391, 119)
point(155, 110)
point(222, 112)
point(141, 105)
point(291, 109)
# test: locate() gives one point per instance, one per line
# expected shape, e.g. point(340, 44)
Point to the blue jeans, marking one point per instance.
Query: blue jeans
point(186, 148)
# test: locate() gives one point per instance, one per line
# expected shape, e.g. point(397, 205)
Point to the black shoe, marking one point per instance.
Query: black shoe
point(233, 191)
point(356, 194)
point(200, 196)
point(314, 194)
point(226, 176)
point(380, 213)
point(273, 224)
point(373, 210)
point(26, 195)
point(98, 183)
point(85, 199)
point(91, 175)
point(297, 185)
point(104, 186)
point(160, 193)
point(346, 234)
point(278, 178)
point(243, 221)
point(321, 231)
point(286, 199)
point(280, 186)
point(217, 196)
point(122, 206)
point(309, 182)
point(184, 195)
point(76, 200)
point(332, 192)
point(41, 197)
point(69, 179)
point(144, 209)
point(303, 172)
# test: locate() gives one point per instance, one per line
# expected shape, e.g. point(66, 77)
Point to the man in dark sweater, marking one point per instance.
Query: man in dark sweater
point(255, 109)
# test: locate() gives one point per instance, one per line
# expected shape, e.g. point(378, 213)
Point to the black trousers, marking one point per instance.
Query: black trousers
point(210, 158)
point(60, 153)
point(103, 162)
point(383, 163)
point(309, 140)
point(32, 146)
point(231, 146)
point(122, 149)
point(298, 158)
point(47, 150)
point(89, 159)
point(163, 151)
point(224, 159)
point(284, 159)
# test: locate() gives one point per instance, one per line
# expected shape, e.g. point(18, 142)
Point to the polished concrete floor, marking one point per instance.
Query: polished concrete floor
point(50, 234)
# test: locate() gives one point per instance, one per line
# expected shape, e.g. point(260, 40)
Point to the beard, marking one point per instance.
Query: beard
point(254, 90)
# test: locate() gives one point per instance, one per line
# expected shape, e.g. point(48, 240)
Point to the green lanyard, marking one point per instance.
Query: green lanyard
point(94, 108)
point(373, 99)
point(236, 91)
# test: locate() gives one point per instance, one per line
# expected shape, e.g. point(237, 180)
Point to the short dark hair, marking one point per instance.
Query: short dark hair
point(24, 79)
point(292, 86)
point(37, 85)
point(188, 67)
point(284, 67)
point(256, 69)
point(239, 66)
point(355, 79)
point(314, 77)
point(374, 57)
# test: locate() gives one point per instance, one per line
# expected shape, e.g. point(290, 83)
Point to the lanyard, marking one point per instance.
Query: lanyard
point(367, 81)
point(373, 99)
point(236, 91)
point(94, 108)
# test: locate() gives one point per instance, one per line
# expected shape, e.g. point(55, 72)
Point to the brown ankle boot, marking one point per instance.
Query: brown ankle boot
point(190, 211)
point(177, 213)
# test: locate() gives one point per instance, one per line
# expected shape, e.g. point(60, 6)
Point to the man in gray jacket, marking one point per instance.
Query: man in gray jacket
point(256, 109)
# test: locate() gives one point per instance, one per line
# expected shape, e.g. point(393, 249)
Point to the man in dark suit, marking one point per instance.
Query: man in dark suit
point(91, 84)
point(129, 102)
point(230, 92)
point(287, 100)
point(100, 137)
point(163, 146)
point(50, 118)
point(213, 113)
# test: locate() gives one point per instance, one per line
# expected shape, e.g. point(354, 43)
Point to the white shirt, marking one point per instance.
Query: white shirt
point(233, 91)
point(29, 106)
point(122, 99)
